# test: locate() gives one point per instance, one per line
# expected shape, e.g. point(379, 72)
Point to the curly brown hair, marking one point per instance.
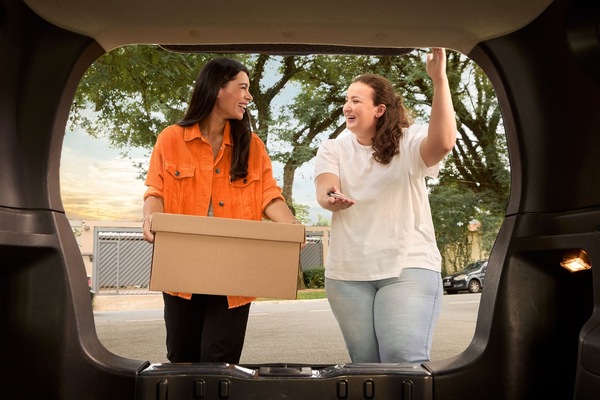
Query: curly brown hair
point(386, 143)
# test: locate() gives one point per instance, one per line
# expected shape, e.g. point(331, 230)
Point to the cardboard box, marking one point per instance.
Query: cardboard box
point(223, 256)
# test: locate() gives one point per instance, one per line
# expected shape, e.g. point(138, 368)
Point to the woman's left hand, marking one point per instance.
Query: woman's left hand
point(436, 64)
point(338, 200)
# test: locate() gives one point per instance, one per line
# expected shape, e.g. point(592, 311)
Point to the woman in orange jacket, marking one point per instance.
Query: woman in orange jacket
point(211, 164)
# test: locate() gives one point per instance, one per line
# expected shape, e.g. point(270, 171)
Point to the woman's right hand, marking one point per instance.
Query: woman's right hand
point(152, 204)
point(146, 224)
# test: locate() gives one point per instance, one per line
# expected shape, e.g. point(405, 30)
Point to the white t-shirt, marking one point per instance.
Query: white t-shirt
point(390, 226)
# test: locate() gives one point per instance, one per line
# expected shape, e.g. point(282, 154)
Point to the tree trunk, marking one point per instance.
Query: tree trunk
point(301, 285)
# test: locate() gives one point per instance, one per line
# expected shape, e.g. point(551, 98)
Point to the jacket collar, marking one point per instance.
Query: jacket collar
point(193, 132)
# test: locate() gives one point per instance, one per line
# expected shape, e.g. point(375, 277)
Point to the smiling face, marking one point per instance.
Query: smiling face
point(361, 112)
point(233, 98)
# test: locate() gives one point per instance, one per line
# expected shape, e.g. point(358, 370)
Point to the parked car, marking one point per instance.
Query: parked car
point(471, 278)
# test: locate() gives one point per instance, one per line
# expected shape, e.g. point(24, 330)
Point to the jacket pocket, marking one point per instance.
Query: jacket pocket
point(247, 195)
point(179, 188)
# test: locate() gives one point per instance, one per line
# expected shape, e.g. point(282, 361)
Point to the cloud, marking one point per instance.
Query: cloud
point(97, 184)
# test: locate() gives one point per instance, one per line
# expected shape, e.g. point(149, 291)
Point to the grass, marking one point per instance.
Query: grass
point(310, 294)
point(306, 294)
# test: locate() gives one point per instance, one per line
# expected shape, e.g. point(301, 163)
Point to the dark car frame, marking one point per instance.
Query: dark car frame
point(470, 278)
point(538, 326)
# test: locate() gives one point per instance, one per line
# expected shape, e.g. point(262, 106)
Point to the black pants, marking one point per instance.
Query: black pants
point(204, 329)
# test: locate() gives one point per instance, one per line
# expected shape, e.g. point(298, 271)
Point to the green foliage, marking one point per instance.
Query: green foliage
point(456, 207)
point(301, 213)
point(475, 180)
point(314, 278)
point(134, 92)
point(302, 294)
point(311, 294)
point(322, 221)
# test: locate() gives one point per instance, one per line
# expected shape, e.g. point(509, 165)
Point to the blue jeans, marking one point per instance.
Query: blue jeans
point(389, 320)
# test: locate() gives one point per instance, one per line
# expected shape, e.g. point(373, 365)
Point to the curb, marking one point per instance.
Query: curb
point(125, 302)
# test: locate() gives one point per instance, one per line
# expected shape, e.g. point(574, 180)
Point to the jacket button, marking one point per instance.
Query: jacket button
point(245, 180)
point(221, 204)
point(176, 173)
point(218, 170)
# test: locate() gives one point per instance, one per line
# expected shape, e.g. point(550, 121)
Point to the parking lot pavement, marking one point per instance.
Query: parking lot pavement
point(277, 330)
point(120, 302)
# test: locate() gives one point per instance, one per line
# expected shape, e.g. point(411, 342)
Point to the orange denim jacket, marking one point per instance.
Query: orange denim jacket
point(186, 175)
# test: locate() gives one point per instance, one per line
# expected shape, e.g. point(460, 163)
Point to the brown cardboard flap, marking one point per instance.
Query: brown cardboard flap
point(227, 227)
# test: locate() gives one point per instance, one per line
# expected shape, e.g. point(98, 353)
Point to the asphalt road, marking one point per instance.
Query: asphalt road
point(300, 331)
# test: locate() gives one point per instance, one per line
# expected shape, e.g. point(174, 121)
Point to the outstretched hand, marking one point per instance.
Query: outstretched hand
point(338, 200)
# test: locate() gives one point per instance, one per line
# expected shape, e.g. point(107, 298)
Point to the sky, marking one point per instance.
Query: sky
point(98, 184)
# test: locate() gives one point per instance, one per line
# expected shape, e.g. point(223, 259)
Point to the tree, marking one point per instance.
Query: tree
point(475, 176)
point(315, 113)
point(134, 92)
point(322, 221)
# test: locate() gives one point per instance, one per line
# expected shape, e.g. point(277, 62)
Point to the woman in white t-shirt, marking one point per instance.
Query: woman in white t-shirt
point(382, 272)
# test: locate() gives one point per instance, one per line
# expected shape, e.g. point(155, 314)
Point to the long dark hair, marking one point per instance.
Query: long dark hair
point(386, 142)
point(213, 76)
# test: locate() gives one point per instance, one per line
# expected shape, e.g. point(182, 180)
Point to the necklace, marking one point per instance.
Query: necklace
point(367, 150)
